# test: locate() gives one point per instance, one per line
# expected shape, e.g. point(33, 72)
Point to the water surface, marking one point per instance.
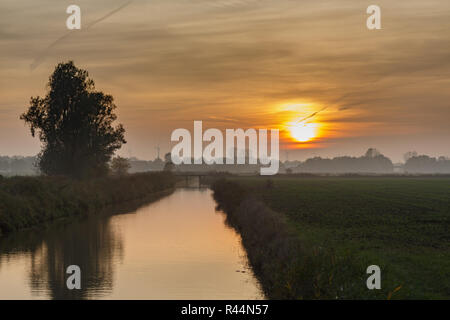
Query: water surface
point(176, 248)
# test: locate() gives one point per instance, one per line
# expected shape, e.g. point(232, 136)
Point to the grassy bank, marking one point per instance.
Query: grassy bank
point(30, 201)
point(339, 226)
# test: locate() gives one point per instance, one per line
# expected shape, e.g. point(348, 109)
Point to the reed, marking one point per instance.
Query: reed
point(31, 201)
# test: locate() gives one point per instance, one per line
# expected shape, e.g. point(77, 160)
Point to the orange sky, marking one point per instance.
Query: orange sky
point(241, 64)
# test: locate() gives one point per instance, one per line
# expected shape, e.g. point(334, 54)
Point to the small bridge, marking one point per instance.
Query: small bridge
point(190, 179)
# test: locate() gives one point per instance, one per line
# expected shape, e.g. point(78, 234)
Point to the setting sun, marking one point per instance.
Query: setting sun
point(303, 132)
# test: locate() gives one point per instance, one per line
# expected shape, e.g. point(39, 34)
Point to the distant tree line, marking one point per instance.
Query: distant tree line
point(373, 162)
point(426, 164)
point(137, 165)
point(17, 165)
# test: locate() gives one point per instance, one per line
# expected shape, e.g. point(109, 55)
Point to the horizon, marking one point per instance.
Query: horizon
point(133, 158)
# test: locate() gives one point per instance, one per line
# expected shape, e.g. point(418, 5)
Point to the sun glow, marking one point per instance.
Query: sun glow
point(301, 121)
point(303, 132)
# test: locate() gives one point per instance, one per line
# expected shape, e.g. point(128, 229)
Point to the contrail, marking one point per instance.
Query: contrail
point(221, 3)
point(299, 120)
point(41, 57)
point(109, 14)
point(231, 3)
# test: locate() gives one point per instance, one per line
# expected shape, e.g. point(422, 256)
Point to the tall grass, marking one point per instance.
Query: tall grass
point(30, 201)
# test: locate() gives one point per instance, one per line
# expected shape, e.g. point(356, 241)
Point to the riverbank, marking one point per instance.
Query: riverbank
point(32, 201)
point(314, 237)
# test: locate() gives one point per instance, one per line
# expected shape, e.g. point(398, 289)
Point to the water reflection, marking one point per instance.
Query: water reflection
point(92, 244)
point(175, 248)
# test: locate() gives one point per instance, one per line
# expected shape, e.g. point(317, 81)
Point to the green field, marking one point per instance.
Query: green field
point(401, 224)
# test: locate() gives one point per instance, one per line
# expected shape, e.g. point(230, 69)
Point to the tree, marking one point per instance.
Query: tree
point(409, 155)
point(372, 153)
point(74, 123)
point(120, 166)
point(168, 164)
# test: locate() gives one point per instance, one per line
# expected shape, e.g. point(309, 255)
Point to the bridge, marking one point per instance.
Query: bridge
point(190, 179)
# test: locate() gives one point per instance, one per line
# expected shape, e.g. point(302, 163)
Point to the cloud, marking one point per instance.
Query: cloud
point(38, 60)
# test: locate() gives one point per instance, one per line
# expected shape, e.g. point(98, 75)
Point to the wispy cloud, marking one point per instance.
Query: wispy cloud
point(38, 60)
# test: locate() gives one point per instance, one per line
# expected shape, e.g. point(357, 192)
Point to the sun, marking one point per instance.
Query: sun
point(303, 132)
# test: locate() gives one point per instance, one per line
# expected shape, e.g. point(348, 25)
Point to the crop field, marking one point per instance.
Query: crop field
point(401, 224)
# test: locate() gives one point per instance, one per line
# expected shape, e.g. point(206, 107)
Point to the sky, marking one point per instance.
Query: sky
point(241, 64)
